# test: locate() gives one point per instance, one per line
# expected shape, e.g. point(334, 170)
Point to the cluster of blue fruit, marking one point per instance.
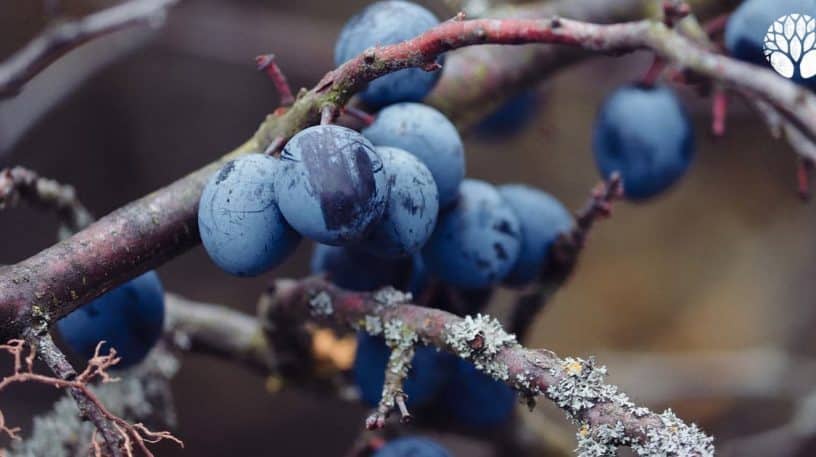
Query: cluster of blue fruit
point(391, 195)
point(391, 206)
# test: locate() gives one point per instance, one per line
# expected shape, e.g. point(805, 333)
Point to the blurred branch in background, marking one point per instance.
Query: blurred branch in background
point(20, 185)
point(21, 67)
point(65, 55)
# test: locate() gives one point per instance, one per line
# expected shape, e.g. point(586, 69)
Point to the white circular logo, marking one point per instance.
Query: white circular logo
point(789, 44)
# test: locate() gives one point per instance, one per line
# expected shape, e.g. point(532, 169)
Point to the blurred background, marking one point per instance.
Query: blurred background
point(701, 300)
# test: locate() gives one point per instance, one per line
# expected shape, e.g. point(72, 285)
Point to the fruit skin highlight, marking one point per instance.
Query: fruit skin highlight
point(332, 186)
point(543, 218)
point(477, 242)
point(241, 227)
point(412, 208)
point(428, 134)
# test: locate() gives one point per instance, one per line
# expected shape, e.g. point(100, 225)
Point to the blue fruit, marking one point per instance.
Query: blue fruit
point(427, 134)
point(543, 219)
point(128, 318)
point(476, 243)
point(354, 269)
point(643, 132)
point(430, 370)
point(748, 24)
point(413, 204)
point(411, 446)
point(420, 278)
point(446, 297)
point(474, 399)
point(383, 23)
point(241, 227)
point(332, 186)
point(511, 117)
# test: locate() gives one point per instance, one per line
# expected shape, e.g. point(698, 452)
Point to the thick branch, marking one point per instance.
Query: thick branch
point(607, 418)
point(21, 67)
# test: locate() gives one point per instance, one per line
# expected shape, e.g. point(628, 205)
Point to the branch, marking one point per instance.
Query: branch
point(38, 54)
point(142, 395)
point(477, 79)
point(56, 361)
point(606, 417)
point(20, 185)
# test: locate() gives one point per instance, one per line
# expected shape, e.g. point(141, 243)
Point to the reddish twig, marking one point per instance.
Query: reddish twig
point(38, 54)
point(362, 116)
point(655, 70)
point(128, 437)
point(267, 64)
point(275, 146)
point(716, 25)
point(719, 111)
point(674, 11)
point(598, 206)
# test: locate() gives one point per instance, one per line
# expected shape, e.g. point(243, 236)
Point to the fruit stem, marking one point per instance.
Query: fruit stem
point(719, 111)
point(359, 114)
point(267, 64)
point(654, 71)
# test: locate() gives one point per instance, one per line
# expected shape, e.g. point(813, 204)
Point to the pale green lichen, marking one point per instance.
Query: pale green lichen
point(321, 305)
point(581, 387)
point(388, 297)
point(479, 339)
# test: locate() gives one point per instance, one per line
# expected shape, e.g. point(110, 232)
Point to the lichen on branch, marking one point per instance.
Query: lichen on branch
point(606, 417)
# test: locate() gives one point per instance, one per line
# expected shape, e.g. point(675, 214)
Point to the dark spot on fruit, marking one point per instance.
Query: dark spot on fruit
point(504, 227)
point(500, 252)
point(227, 170)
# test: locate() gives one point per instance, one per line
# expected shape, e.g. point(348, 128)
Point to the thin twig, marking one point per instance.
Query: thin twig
point(267, 64)
point(49, 353)
point(121, 438)
point(606, 417)
point(21, 185)
point(26, 63)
